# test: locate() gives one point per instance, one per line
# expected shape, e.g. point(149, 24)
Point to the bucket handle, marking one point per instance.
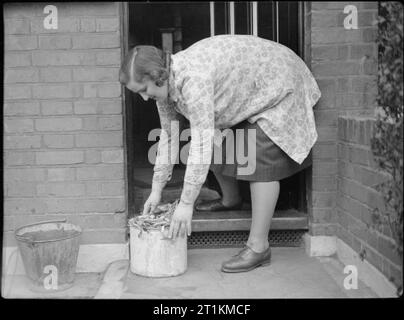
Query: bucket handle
point(34, 224)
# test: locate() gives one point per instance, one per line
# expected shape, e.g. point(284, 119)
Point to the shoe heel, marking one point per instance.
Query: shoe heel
point(266, 264)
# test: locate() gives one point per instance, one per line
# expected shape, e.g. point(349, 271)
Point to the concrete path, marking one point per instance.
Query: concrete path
point(292, 274)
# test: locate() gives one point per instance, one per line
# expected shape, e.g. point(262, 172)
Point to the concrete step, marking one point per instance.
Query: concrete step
point(240, 220)
point(234, 220)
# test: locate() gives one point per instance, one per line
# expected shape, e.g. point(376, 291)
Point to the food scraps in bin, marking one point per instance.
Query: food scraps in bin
point(158, 220)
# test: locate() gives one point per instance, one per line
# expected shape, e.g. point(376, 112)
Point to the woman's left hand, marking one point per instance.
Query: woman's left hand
point(181, 221)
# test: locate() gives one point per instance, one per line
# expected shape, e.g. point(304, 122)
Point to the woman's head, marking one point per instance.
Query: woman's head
point(144, 71)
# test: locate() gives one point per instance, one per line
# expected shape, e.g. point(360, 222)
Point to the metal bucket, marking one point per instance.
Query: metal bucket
point(49, 252)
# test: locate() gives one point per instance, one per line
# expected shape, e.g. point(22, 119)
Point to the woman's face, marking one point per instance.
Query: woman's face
point(148, 89)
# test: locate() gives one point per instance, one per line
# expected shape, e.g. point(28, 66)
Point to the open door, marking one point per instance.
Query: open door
point(175, 26)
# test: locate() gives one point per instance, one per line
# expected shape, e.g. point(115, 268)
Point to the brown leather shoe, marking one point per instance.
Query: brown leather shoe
point(216, 205)
point(246, 260)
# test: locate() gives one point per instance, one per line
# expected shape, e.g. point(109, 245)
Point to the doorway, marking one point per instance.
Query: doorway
point(175, 26)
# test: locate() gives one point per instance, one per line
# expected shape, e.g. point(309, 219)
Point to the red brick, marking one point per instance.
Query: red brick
point(8, 223)
point(336, 35)
point(323, 199)
point(90, 90)
point(106, 172)
point(110, 123)
point(58, 141)
point(95, 74)
point(50, 74)
point(321, 229)
point(87, 25)
point(329, 5)
point(93, 156)
point(19, 158)
point(112, 90)
point(16, 26)
point(327, 134)
point(56, 91)
point(110, 57)
point(387, 248)
point(113, 188)
point(104, 236)
point(17, 206)
point(55, 42)
point(324, 151)
point(61, 189)
point(22, 10)
point(327, 52)
point(18, 125)
point(364, 84)
point(59, 157)
point(332, 68)
point(96, 41)
point(79, 205)
point(396, 275)
point(14, 42)
point(58, 124)
point(324, 168)
point(22, 142)
point(345, 236)
point(17, 59)
point(62, 58)
point(61, 174)
point(50, 108)
point(365, 18)
point(328, 89)
point(78, 9)
point(21, 75)
point(322, 215)
point(97, 107)
point(20, 189)
point(370, 34)
point(349, 204)
point(373, 257)
point(21, 108)
point(107, 24)
point(344, 84)
point(65, 24)
point(358, 51)
point(110, 139)
point(17, 92)
point(112, 156)
point(326, 118)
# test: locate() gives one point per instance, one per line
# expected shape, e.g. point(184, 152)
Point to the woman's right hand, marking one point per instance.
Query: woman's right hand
point(152, 202)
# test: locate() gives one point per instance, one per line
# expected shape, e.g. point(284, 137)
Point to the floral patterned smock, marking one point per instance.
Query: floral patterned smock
point(222, 80)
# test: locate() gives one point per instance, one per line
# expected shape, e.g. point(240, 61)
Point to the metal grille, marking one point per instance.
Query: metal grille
point(223, 239)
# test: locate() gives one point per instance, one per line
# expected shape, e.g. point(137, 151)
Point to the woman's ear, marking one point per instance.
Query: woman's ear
point(159, 76)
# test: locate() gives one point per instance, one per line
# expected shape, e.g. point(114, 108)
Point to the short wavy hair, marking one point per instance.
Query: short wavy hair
point(144, 62)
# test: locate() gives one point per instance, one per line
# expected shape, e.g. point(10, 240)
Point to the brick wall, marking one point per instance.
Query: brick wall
point(357, 197)
point(344, 64)
point(342, 189)
point(63, 135)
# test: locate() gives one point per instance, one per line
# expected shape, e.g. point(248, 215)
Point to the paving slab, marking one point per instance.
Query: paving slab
point(85, 286)
point(292, 274)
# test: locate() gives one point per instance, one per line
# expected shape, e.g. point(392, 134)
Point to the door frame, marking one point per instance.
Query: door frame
point(127, 112)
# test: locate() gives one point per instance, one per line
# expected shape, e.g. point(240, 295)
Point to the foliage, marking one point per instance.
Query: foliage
point(387, 140)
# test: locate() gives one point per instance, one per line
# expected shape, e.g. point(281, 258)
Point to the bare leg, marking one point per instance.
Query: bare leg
point(230, 189)
point(264, 196)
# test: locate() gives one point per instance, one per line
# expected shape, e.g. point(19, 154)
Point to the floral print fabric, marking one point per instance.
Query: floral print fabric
point(222, 80)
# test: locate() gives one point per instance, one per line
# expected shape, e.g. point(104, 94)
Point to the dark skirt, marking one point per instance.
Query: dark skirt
point(268, 163)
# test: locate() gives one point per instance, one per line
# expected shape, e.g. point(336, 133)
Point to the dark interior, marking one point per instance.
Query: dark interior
point(191, 20)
